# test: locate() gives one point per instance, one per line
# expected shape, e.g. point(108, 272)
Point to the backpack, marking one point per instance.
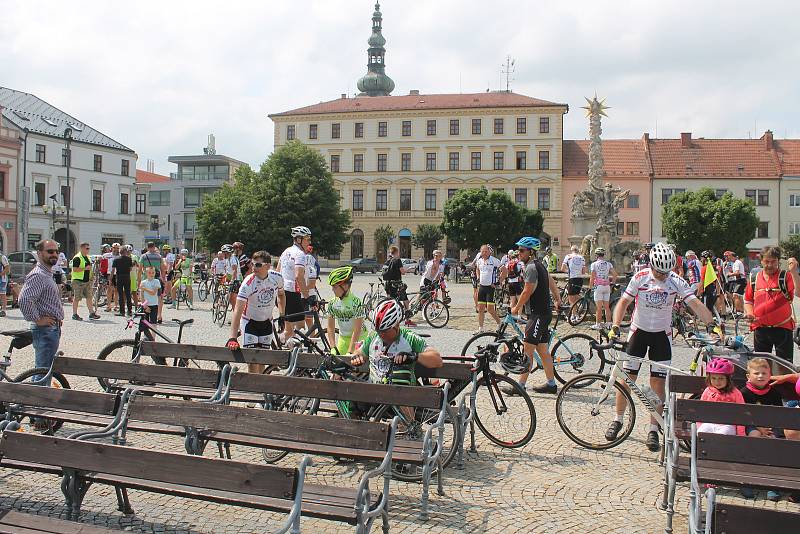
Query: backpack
point(781, 283)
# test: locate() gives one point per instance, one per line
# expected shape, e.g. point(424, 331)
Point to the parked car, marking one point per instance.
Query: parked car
point(365, 265)
point(21, 264)
point(408, 263)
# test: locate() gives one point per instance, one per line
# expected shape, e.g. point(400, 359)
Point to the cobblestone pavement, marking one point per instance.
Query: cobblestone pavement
point(550, 485)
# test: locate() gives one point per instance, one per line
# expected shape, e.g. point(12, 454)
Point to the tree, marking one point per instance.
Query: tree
point(427, 237)
point(701, 221)
point(791, 247)
point(383, 235)
point(293, 187)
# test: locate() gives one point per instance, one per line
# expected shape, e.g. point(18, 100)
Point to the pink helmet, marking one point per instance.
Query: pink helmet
point(797, 387)
point(720, 366)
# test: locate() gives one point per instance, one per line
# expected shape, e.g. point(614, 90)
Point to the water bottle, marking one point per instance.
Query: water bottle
point(651, 395)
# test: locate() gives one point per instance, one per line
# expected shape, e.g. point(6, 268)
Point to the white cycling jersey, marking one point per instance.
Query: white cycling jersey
point(575, 264)
point(488, 269)
point(430, 274)
point(292, 257)
point(602, 271)
point(219, 266)
point(259, 295)
point(654, 300)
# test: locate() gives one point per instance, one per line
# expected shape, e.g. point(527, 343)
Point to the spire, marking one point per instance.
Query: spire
point(376, 82)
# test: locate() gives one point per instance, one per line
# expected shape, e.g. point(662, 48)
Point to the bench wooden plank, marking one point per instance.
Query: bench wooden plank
point(726, 473)
point(733, 519)
point(18, 522)
point(737, 414)
point(65, 399)
point(782, 453)
point(213, 353)
point(137, 372)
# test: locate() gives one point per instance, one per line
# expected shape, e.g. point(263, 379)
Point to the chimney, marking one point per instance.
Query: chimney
point(767, 137)
point(646, 137)
point(686, 139)
point(414, 92)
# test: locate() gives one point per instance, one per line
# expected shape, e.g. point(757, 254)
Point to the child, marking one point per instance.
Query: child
point(346, 312)
point(720, 388)
point(150, 289)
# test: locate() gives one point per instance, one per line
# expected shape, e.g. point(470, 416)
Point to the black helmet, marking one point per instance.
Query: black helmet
point(515, 362)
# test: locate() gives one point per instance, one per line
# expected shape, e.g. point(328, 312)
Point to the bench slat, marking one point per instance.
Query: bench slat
point(136, 372)
point(65, 399)
point(733, 519)
point(12, 521)
point(747, 450)
point(726, 473)
point(737, 414)
point(213, 353)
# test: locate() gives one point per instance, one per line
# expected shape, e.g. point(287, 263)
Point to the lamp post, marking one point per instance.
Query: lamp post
point(68, 203)
point(54, 210)
point(26, 201)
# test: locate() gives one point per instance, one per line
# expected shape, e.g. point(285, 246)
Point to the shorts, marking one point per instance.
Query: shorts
point(515, 288)
point(657, 346)
point(396, 289)
point(574, 286)
point(486, 295)
point(737, 287)
point(4, 285)
point(81, 290)
point(602, 293)
point(537, 329)
point(256, 333)
point(294, 305)
point(59, 278)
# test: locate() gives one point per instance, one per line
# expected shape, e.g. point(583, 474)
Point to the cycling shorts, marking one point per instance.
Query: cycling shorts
point(515, 288)
point(486, 295)
point(657, 346)
point(256, 333)
point(294, 305)
point(602, 293)
point(185, 280)
point(537, 329)
point(574, 286)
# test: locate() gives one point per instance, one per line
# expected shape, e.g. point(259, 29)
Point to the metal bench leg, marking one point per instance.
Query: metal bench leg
point(385, 518)
point(74, 489)
point(426, 482)
point(472, 447)
point(439, 475)
point(228, 450)
point(219, 448)
point(123, 504)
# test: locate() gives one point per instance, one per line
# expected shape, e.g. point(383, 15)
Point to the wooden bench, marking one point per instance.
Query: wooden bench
point(13, 522)
point(736, 519)
point(83, 463)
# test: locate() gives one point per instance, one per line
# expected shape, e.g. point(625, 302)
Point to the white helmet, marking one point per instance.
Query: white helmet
point(129, 247)
point(300, 231)
point(227, 248)
point(662, 258)
point(388, 314)
point(184, 251)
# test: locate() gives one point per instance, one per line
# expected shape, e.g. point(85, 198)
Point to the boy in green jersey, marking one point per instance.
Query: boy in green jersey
point(346, 312)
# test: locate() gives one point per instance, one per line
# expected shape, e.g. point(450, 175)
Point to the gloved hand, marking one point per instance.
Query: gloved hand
point(614, 333)
point(312, 301)
point(233, 344)
point(405, 357)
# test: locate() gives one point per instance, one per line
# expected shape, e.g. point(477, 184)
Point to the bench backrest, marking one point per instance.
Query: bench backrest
point(163, 467)
point(737, 414)
point(734, 519)
point(58, 398)
point(278, 358)
point(764, 452)
point(137, 372)
point(332, 431)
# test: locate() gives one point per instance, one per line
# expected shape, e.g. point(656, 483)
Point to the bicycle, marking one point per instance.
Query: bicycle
point(221, 305)
point(182, 294)
point(586, 305)
point(207, 286)
point(373, 296)
point(435, 312)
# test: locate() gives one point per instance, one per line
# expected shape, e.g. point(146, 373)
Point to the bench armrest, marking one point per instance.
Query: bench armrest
point(113, 428)
point(292, 522)
point(385, 468)
point(427, 445)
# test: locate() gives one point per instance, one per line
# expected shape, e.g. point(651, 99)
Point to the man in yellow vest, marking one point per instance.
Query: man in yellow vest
point(82, 282)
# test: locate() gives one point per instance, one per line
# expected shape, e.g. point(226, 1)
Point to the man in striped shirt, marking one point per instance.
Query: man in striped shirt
point(40, 303)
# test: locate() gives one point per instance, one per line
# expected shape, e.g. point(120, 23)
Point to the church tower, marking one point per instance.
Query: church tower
point(375, 82)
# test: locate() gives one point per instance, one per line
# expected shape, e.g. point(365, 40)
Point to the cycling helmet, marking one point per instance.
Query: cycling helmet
point(662, 258)
point(184, 251)
point(165, 247)
point(515, 363)
point(530, 243)
point(719, 366)
point(105, 245)
point(300, 231)
point(340, 275)
point(115, 245)
point(129, 247)
point(388, 314)
point(671, 245)
point(510, 252)
point(690, 253)
point(706, 254)
point(600, 251)
point(513, 254)
point(227, 248)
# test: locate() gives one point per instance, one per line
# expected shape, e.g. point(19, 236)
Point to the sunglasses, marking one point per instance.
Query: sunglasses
point(258, 264)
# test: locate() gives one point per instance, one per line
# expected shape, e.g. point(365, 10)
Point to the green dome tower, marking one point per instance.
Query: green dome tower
point(376, 82)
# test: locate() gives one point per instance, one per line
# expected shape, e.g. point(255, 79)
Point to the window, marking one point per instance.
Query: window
point(633, 201)
point(666, 194)
point(194, 197)
point(476, 126)
point(454, 125)
point(405, 200)
point(39, 193)
point(32, 240)
point(620, 228)
point(750, 194)
point(763, 229)
point(65, 157)
point(544, 124)
point(498, 126)
point(794, 228)
point(189, 223)
point(405, 161)
point(719, 193)
point(123, 203)
point(521, 196)
point(382, 129)
point(141, 202)
point(381, 200)
point(430, 199)
point(430, 161)
point(290, 134)
point(759, 197)
point(359, 129)
point(357, 244)
point(406, 128)
point(336, 130)
point(312, 131)
point(159, 198)
point(498, 161)
point(358, 199)
point(633, 228)
point(97, 200)
point(334, 162)
point(65, 196)
point(544, 198)
point(522, 125)
point(126, 168)
point(381, 162)
point(450, 193)
point(358, 162)
point(98, 163)
point(475, 163)
point(544, 160)
point(454, 156)
point(432, 127)
point(794, 200)
point(522, 158)
point(40, 154)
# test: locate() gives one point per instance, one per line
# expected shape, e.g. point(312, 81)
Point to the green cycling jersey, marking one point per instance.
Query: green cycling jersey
point(380, 357)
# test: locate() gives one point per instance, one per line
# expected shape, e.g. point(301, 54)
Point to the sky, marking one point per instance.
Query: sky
point(159, 76)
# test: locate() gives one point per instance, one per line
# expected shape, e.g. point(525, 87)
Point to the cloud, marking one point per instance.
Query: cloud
point(160, 76)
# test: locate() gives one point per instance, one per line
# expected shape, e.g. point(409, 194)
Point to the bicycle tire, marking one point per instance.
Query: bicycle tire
point(488, 337)
point(108, 350)
point(202, 290)
point(593, 362)
point(434, 311)
point(222, 315)
point(510, 415)
point(58, 381)
point(578, 311)
point(584, 390)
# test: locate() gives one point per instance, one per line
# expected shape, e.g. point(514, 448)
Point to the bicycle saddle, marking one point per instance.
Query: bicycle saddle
point(22, 338)
point(186, 321)
point(15, 333)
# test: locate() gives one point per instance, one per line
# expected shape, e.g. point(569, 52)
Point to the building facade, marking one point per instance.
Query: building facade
point(788, 153)
point(10, 146)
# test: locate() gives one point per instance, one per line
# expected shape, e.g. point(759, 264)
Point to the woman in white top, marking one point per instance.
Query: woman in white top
point(601, 277)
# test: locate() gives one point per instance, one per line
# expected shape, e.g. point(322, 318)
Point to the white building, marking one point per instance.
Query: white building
point(104, 207)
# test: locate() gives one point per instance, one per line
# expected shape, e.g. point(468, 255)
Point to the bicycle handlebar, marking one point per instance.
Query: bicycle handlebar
point(612, 344)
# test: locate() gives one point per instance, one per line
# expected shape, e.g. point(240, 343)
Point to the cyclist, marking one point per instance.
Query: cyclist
point(169, 261)
point(293, 265)
point(488, 271)
point(654, 289)
point(183, 273)
point(691, 270)
point(218, 268)
point(601, 277)
point(433, 273)
point(738, 280)
point(345, 312)
point(575, 266)
point(254, 304)
point(153, 259)
point(312, 268)
point(535, 301)
point(550, 260)
point(393, 272)
point(515, 269)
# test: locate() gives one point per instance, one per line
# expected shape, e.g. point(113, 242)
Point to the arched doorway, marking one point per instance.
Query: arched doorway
point(356, 244)
point(61, 237)
point(404, 243)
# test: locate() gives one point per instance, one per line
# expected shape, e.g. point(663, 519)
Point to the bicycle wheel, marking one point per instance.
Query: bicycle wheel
point(122, 350)
point(478, 341)
point(436, 313)
point(578, 311)
point(202, 290)
point(301, 405)
point(507, 420)
point(573, 355)
point(222, 314)
point(583, 413)
point(57, 381)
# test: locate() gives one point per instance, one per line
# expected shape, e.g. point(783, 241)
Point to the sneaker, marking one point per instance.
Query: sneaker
point(653, 442)
point(409, 322)
point(76, 317)
point(596, 326)
point(478, 331)
point(773, 496)
point(747, 493)
point(613, 430)
point(510, 390)
point(93, 316)
point(544, 388)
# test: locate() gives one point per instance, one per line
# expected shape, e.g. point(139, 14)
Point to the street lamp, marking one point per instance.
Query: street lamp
point(68, 200)
point(56, 209)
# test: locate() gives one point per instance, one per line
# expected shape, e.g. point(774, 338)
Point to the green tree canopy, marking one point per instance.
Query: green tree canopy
point(383, 235)
point(700, 221)
point(791, 247)
point(293, 187)
point(427, 237)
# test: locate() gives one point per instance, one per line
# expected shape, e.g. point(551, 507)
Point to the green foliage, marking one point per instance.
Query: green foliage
point(473, 217)
point(427, 237)
point(383, 235)
point(700, 221)
point(293, 187)
point(791, 247)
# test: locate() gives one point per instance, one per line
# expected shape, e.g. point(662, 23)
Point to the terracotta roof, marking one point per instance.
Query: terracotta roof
point(622, 157)
point(144, 177)
point(788, 152)
point(713, 158)
point(497, 99)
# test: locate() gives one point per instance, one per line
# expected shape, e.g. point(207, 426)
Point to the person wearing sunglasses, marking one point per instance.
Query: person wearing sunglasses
point(40, 303)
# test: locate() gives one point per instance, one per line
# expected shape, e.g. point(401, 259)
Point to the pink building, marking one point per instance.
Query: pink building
point(9, 157)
